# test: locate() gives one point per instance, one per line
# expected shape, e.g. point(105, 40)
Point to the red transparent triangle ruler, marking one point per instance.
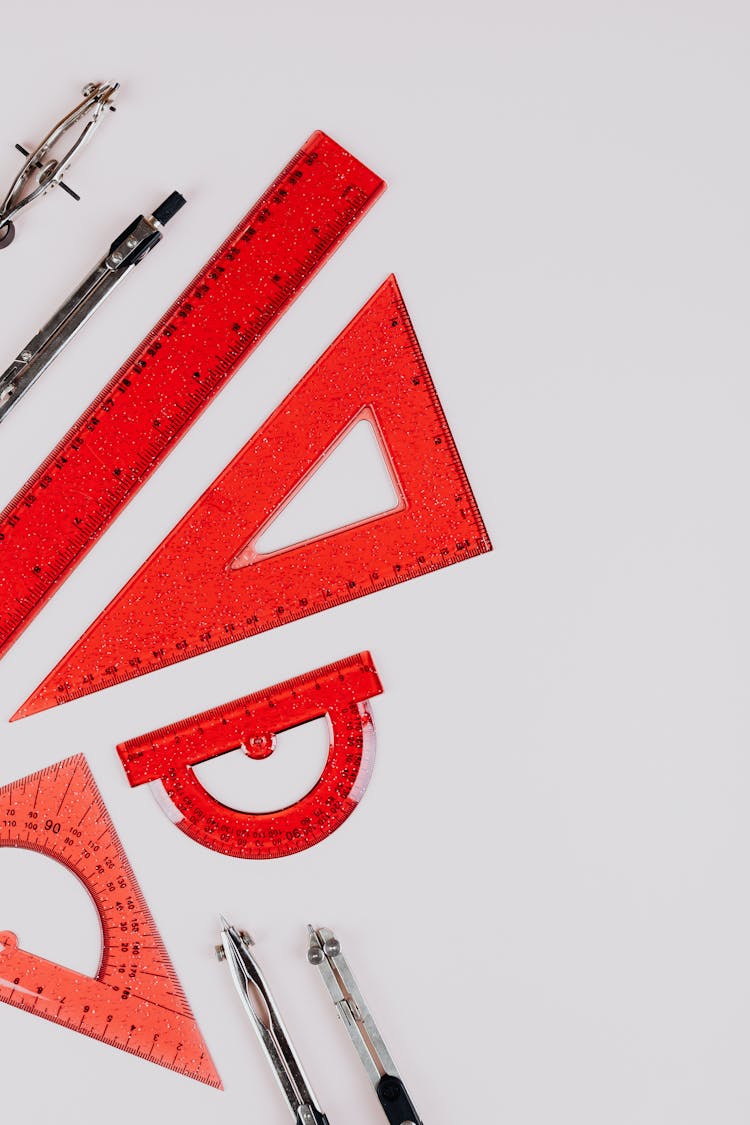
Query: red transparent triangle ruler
point(172, 376)
point(167, 759)
point(135, 1002)
point(206, 585)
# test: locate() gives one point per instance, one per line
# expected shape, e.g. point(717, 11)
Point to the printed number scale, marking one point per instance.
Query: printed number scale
point(207, 585)
point(135, 1002)
point(166, 759)
point(170, 379)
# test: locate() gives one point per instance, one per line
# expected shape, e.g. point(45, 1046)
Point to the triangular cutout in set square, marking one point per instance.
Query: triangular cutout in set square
point(135, 1002)
point(353, 483)
point(205, 586)
point(262, 547)
point(181, 365)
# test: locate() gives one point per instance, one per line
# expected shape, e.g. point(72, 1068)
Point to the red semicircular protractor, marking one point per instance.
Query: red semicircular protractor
point(166, 759)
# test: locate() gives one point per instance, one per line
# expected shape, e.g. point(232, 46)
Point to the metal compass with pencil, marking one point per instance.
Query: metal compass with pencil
point(209, 584)
point(43, 170)
point(124, 254)
point(324, 952)
point(265, 1017)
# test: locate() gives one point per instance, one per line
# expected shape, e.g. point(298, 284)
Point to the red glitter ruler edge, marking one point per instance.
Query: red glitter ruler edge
point(172, 376)
point(166, 758)
point(135, 1002)
point(206, 586)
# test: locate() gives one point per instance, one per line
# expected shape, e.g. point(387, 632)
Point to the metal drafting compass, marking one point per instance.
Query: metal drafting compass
point(127, 250)
point(42, 169)
point(265, 1017)
point(324, 951)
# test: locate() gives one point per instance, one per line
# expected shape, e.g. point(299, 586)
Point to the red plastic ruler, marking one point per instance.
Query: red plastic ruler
point(206, 586)
point(166, 758)
point(135, 1002)
point(172, 376)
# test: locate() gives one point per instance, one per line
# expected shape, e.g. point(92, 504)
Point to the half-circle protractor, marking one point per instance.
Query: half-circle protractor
point(166, 758)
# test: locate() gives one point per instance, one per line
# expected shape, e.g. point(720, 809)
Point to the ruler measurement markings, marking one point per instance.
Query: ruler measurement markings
point(115, 898)
point(369, 367)
point(340, 691)
point(200, 648)
point(133, 377)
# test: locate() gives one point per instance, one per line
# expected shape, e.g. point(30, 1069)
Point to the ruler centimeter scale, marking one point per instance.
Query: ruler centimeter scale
point(135, 1002)
point(206, 585)
point(172, 376)
point(166, 758)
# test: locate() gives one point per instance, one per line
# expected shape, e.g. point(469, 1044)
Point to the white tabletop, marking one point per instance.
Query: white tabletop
point(542, 894)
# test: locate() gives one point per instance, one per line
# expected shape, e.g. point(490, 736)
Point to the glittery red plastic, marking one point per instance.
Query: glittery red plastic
point(166, 758)
point(135, 1002)
point(205, 586)
point(173, 375)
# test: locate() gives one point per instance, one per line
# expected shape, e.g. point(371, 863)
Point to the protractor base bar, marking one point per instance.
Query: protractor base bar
point(167, 758)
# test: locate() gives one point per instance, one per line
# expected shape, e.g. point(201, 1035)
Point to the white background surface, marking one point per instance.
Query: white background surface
point(544, 892)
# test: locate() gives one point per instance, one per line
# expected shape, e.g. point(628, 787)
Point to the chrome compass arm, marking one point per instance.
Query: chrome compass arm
point(324, 951)
point(265, 1017)
point(127, 250)
point(43, 169)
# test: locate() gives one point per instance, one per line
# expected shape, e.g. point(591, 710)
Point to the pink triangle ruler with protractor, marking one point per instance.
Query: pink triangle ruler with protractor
point(135, 1001)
